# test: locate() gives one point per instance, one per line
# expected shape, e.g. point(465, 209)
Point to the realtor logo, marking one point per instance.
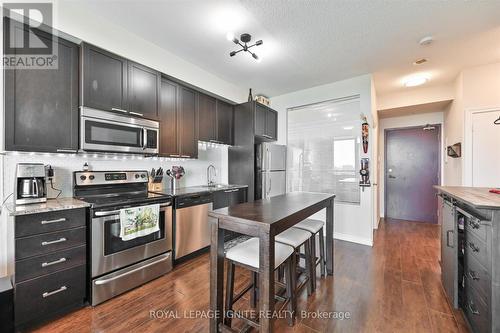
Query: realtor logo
point(29, 42)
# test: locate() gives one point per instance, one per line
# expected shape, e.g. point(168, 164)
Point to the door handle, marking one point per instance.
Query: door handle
point(448, 238)
point(136, 113)
point(392, 177)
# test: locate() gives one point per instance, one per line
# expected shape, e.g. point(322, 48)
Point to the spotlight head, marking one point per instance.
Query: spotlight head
point(255, 56)
point(235, 40)
point(259, 42)
point(232, 53)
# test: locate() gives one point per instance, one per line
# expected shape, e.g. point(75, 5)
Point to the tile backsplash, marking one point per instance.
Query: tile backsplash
point(64, 165)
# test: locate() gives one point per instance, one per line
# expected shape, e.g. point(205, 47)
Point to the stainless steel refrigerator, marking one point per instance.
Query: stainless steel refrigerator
point(270, 170)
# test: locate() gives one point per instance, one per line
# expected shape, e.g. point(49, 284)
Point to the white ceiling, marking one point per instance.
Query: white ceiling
point(308, 43)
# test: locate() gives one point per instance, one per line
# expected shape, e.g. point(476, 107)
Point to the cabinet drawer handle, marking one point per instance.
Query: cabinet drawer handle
point(62, 219)
point(175, 155)
point(60, 240)
point(50, 293)
point(473, 275)
point(472, 310)
point(66, 150)
point(267, 136)
point(185, 156)
point(136, 113)
point(215, 141)
point(119, 110)
point(473, 247)
point(50, 263)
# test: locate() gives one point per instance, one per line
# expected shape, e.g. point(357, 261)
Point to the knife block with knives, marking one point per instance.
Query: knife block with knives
point(155, 183)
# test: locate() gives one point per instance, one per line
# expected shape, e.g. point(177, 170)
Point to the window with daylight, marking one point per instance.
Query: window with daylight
point(324, 147)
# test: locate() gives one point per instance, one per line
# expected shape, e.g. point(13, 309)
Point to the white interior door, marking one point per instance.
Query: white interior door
point(485, 149)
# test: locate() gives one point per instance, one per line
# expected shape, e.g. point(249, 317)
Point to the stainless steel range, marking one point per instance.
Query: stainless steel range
point(118, 263)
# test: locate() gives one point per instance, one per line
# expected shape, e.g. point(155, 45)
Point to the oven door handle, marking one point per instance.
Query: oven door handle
point(99, 282)
point(110, 212)
point(116, 212)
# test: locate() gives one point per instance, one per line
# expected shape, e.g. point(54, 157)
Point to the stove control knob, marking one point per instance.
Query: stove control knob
point(83, 177)
point(143, 176)
point(91, 177)
point(136, 175)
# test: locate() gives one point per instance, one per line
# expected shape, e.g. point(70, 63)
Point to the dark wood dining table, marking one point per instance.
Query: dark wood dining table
point(263, 219)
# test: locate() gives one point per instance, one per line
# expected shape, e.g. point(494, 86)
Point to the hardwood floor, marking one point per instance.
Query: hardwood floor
point(393, 286)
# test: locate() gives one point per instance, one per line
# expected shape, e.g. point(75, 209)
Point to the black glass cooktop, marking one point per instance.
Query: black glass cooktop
point(125, 199)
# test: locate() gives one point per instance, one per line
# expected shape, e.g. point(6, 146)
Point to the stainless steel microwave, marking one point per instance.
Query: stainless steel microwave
point(109, 132)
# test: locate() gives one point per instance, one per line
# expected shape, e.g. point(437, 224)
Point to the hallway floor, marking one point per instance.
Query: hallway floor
point(393, 286)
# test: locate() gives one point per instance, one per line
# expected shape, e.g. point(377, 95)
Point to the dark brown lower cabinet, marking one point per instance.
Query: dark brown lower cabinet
point(228, 198)
point(50, 268)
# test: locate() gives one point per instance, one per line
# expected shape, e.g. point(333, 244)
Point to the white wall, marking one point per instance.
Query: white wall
point(401, 122)
point(475, 88)
point(352, 222)
point(416, 96)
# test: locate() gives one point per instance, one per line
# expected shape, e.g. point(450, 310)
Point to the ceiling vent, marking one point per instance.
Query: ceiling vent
point(420, 61)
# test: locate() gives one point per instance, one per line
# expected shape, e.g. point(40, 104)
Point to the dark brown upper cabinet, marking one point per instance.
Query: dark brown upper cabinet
point(41, 105)
point(188, 122)
point(224, 122)
point(215, 120)
point(113, 83)
point(266, 122)
point(143, 90)
point(168, 117)
point(104, 79)
point(178, 117)
point(207, 118)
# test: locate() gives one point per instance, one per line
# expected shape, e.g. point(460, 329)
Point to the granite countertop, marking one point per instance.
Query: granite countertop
point(49, 206)
point(190, 190)
point(479, 197)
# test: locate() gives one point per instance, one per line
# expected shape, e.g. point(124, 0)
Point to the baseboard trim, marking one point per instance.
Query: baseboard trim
point(353, 239)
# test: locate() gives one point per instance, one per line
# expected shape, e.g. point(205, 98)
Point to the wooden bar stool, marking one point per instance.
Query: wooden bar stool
point(315, 227)
point(246, 255)
point(296, 238)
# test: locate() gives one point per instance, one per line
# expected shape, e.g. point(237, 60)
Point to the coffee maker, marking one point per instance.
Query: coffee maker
point(30, 183)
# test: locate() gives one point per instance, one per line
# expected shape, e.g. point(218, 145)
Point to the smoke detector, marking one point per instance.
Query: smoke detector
point(426, 40)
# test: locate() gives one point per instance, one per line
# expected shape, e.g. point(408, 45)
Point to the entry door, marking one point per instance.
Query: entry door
point(411, 171)
point(485, 150)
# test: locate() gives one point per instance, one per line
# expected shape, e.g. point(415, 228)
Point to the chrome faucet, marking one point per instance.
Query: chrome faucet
point(210, 181)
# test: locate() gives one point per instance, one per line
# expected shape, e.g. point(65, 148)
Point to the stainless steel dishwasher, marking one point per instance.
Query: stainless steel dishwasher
point(192, 232)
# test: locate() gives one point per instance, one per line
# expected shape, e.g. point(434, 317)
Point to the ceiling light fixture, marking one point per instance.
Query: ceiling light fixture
point(415, 80)
point(245, 39)
point(427, 40)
